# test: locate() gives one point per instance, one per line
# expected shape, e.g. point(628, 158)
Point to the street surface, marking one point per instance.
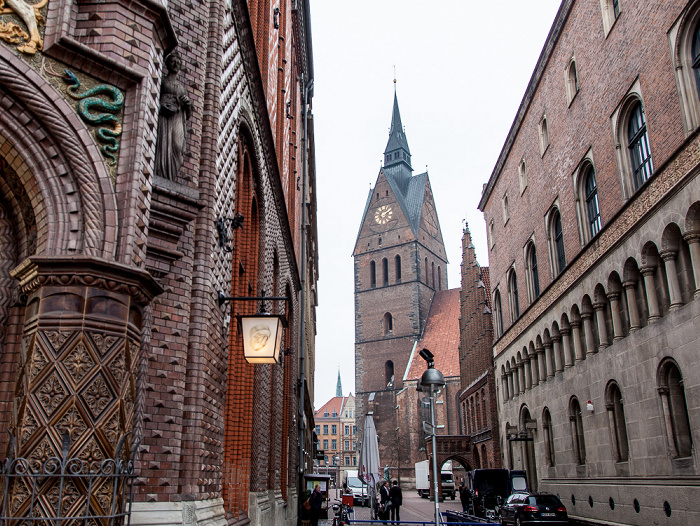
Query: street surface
point(414, 508)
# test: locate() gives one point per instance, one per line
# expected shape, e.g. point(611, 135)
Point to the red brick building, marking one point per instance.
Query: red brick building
point(400, 263)
point(594, 254)
point(115, 184)
point(477, 400)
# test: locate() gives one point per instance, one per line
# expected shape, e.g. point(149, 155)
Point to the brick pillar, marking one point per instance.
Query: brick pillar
point(77, 370)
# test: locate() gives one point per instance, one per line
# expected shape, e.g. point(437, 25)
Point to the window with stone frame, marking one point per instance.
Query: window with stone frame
point(513, 301)
point(547, 428)
point(372, 274)
point(616, 419)
point(684, 38)
point(577, 435)
point(532, 276)
point(497, 314)
point(571, 81)
point(610, 9)
point(556, 242)
point(543, 129)
point(673, 402)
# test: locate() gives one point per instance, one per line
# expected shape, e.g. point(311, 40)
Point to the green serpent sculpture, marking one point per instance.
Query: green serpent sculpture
point(89, 102)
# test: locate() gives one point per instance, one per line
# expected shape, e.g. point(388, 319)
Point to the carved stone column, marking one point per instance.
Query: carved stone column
point(541, 363)
point(557, 354)
point(534, 369)
point(566, 344)
point(631, 294)
point(693, 240)
point(599, 308)
point(77, 375)
point(550, 359)
point(521, 377)
point(614, 299)
point(650, 287)
point(588, 333)
point(674, 287)
point(528, 374)
point(511, 387)
point(576, 337)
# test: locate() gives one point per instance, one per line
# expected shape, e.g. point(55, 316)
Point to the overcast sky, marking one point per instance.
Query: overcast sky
point(461, 68)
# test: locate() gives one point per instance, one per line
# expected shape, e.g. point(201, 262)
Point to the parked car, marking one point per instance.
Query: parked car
point(523, 509)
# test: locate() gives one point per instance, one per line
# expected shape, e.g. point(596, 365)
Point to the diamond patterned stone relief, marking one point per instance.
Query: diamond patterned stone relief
point(97, 396)
point(91, 454)
point(30, 425)
point(38, 362)
point(69, 496)
point(103, 343)
point(73, 423)
point(41, 454)
point(51, 394)
point(57, 338)
point(79, 362)
point(118, 367)
point(111, 429)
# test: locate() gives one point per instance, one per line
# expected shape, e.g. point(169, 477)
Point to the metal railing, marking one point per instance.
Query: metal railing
point(66, 491)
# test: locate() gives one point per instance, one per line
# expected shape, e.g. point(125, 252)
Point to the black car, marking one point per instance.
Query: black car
point(534, 508)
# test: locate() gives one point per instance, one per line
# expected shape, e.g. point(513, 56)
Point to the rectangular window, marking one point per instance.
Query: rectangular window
point(325, 429)
point(347, 461)
point(334, 430)
point(347, 430)
point(347, 444)
point(325, 444)
point(318, 430)
point(354, 461)
point(354, 430)
point(334, 445)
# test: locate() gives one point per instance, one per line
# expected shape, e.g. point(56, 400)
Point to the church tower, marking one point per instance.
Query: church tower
point(399, 263)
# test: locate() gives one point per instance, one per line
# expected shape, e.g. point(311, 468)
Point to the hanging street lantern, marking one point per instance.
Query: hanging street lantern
point(262, 332)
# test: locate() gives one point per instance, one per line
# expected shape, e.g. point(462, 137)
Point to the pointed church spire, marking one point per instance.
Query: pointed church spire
point(339, 387)
point(397, 151)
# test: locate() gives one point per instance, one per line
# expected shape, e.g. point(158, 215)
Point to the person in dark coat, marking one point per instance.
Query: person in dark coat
point(316, 500)
point(384, 501)
point(396, 501)
point(465, 495)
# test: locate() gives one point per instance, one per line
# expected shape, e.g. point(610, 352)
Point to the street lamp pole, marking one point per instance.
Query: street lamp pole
point(432, 380)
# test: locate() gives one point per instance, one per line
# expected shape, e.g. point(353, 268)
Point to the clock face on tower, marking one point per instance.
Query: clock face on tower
point(383, 215)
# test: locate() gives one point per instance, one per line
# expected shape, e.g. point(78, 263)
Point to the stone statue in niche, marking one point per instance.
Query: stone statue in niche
point(175, 109)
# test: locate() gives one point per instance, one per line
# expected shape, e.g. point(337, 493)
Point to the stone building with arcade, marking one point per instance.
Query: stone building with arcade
point(136, 138)
point(594, 255)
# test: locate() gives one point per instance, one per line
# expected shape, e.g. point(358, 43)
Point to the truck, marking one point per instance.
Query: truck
point(490, 488)
point(447, 480)
point(423, 479)
point(359, 490)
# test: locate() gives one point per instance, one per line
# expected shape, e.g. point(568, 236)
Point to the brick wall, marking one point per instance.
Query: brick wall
point(607, 68)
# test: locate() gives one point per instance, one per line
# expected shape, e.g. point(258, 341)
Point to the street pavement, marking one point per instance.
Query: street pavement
point(414, 508)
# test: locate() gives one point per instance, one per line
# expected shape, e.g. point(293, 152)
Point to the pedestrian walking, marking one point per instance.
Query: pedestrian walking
point(396, 501)
point(465, 496)
point(316, 501)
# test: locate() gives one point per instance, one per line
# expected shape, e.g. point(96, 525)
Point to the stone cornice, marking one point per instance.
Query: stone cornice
point(37, 271)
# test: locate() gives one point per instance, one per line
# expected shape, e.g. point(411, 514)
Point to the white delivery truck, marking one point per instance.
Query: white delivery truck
point(446, 479)
point(360, 494)
point(422, 479)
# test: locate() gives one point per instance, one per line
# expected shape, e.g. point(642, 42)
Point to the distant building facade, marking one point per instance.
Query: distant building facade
point(592, 213)
point(336, 432)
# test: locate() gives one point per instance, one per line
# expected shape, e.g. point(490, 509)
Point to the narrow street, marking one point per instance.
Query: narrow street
point(414, 508)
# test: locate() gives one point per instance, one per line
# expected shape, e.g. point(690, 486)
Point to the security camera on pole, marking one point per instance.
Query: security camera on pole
point(431, 382)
